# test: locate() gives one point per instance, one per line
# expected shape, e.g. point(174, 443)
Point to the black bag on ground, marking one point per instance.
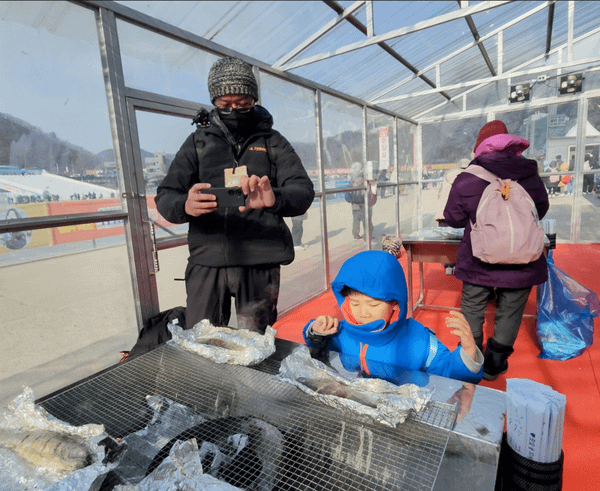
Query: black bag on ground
point(155, 332)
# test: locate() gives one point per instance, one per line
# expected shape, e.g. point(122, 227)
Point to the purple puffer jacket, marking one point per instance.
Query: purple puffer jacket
point(461, 208)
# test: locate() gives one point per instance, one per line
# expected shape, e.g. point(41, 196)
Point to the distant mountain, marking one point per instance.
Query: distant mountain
point(26, 146)
point(108, 155)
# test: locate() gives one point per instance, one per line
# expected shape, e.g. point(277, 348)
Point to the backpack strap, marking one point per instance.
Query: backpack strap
point(482, 173)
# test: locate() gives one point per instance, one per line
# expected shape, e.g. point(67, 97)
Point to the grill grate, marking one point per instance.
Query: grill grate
point(321, 448)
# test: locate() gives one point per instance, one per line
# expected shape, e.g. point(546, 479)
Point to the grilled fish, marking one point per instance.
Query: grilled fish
point(334, 388)
point(48, 449)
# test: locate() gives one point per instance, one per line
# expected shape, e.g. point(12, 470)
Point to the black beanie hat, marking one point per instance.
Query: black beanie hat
point(231, 76)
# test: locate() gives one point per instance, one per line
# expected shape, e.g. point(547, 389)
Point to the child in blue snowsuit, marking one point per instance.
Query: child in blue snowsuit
point(371, 292)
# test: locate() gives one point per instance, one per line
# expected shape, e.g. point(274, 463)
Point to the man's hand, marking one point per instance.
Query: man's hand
point(460, 327)
point(258, 191)
point(200, 204)
point(325, 325)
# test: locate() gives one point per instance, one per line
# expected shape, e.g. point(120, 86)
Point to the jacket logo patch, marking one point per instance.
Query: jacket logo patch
point(257, 149)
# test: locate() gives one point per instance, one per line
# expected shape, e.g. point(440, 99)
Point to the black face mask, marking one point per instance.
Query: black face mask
point(238, 122)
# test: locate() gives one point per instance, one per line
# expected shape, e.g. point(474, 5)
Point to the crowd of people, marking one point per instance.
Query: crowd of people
point(561, 184)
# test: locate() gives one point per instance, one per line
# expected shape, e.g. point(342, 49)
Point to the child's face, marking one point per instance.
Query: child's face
point(366, 309)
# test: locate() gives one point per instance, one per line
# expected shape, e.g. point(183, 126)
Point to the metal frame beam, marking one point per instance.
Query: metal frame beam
point(138, 235)
point(319, 34)
point(499, 31)
point(441, 19)
point(475, 33)
point(549, 29)
point(388, 49)
point(146, 22)
point(486, 81)
point(515, 72)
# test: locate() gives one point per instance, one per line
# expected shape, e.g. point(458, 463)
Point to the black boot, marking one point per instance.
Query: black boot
point(479, 342)
point(495, 359)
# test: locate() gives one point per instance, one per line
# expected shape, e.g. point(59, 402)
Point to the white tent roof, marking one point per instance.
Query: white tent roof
point(589, 131)
point(37, 184)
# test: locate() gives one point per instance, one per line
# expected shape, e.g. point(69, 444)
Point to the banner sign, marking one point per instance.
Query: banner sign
point(384, 147)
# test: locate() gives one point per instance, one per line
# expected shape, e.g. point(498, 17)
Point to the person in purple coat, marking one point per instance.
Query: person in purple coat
point(510, 284)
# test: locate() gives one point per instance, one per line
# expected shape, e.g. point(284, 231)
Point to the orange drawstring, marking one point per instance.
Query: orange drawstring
point(363, 361)
point(505, 190)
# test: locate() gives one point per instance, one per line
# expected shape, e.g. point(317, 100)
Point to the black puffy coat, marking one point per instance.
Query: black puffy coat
point(228, 237)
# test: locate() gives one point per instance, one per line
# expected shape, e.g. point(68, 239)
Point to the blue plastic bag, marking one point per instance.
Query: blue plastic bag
point(565, 317)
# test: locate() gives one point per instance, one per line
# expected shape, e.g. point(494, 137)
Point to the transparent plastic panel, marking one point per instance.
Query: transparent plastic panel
point(527, 39)
point(550, 130)
point(293, 110)
point(590, 206)
point(591, 80)
point(430, 201)
point(170, 279)
point(342, 142)
point(552, 134)
point(445, 143)
point(469, 65)
point(304, 278)
point(56, 151)
point(541, 89)
point(384, 215)
point(160, 138)
point(68, 309)
point(156, 63)
point(488, 96)
point(380, 145)
point(342, 132)
point(407, 163)
point(586, 17)
point(343, 222)
point(407, 200)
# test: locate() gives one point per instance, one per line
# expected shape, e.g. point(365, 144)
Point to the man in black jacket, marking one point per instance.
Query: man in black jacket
point(235, 252)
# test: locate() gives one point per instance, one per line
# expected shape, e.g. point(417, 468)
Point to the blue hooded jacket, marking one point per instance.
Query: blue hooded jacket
point(404, 343)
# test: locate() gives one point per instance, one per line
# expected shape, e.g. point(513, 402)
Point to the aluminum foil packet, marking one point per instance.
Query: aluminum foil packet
point(181, 470)
point(381, 400)
point(49, 455)
point(224, 344)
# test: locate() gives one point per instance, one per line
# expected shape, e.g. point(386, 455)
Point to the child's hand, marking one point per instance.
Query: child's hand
point(460, 327)
point(325, 325)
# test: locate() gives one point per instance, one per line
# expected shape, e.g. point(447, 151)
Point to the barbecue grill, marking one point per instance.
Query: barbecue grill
point(322, 448)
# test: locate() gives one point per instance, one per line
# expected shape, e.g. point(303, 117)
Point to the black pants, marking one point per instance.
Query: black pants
point(255, 289)
point(359, 215)
point(511, 305)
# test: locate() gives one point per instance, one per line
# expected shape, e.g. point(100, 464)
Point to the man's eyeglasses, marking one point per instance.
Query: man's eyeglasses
point(243, 107)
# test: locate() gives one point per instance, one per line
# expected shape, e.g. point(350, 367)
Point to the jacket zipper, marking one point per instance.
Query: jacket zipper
point(363, 358)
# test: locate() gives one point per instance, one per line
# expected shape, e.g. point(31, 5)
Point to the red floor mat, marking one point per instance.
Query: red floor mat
point(578, 378)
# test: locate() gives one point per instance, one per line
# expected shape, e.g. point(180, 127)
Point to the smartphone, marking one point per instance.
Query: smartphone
point(227, 197)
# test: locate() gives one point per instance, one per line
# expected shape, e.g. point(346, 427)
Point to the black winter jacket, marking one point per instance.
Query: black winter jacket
point(227, 237)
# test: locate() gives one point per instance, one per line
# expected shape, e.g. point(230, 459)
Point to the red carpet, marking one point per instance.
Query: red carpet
point(578, 378)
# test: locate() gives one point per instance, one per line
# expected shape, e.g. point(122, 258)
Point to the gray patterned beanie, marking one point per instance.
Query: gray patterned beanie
point(231, 76)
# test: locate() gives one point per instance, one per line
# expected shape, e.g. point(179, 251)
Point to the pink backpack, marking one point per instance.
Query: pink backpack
point(507, 230)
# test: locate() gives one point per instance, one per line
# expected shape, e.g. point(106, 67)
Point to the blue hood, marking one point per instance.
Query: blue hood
point(377, 274)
